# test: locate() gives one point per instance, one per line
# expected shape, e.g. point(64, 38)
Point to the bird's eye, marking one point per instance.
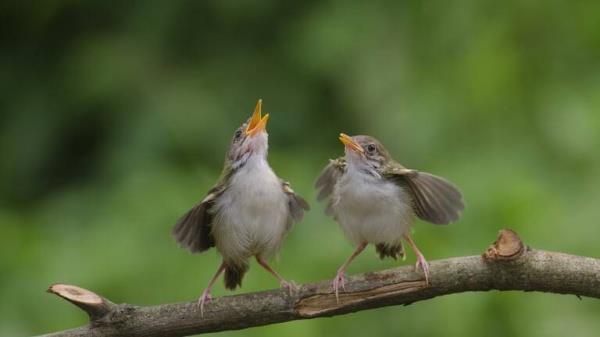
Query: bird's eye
point(237, 134)
point(371, 148)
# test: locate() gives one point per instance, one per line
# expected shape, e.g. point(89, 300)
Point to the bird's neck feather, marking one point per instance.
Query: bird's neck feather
point(362, 170)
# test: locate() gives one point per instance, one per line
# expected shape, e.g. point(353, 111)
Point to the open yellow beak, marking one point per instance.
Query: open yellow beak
point(257, 123)
point(350, 143)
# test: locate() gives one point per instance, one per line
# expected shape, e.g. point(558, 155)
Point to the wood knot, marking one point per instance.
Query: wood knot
point(508, 246)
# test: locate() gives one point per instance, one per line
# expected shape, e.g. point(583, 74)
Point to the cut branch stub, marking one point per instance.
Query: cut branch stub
point(95, 305)
point(508, 246)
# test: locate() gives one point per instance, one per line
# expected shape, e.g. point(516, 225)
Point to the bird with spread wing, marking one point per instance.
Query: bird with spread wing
point(375, 200)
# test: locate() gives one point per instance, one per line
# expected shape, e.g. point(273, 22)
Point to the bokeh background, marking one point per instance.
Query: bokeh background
point(115, 118)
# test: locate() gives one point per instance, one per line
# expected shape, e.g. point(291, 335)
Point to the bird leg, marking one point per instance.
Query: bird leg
point(290, 286)
point(205, 297)
point(421, 262)
point(340, 277)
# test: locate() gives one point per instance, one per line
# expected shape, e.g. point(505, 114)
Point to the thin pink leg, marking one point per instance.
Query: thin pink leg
point(421, 262)
point(340, 277)
point(290, 286)
point(205, 297)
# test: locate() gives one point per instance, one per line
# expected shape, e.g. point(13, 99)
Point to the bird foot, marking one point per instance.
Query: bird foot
point(290, 286)
point(204, 298)
point(339, 281)
point(423, 265)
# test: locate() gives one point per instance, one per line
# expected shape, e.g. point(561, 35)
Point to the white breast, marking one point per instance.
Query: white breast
point(370, 209)
point(251, 215)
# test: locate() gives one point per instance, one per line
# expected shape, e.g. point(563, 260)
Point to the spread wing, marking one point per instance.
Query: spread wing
point(193, 230)
point(297, 205)
point(327, 180)
point(435, 199)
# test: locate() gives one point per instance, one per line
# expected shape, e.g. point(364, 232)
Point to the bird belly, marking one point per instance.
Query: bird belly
point(372, 210)
point(251, 215)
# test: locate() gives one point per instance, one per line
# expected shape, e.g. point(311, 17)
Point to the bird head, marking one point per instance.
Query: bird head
point(364, 152)
point(250, 139)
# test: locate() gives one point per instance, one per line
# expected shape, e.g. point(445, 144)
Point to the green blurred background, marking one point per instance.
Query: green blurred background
point(115, 118)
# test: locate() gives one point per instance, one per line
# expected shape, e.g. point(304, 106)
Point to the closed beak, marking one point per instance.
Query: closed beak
point(350, 143)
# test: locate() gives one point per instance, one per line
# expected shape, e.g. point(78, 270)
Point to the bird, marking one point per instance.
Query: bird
point(246, 214)
point(375, 201)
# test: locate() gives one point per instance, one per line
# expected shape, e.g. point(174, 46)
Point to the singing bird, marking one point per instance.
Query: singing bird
point(375, 200)
point(247, 213)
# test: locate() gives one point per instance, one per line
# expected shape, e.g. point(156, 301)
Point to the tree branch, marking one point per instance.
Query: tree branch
point(506, 265)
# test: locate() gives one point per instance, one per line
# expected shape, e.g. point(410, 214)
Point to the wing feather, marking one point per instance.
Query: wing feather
point(327, 180)
point(193, 230)
point(329, 177)
point(296, 204)
point(435, 199)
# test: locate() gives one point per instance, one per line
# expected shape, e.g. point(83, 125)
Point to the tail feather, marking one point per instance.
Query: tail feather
point(234, 272)
point(393, 251)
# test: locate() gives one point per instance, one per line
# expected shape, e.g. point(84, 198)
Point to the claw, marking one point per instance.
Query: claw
point(340, 277)
point(205, 297)
point(423, 265)
point(339, 280)
point(290, 286)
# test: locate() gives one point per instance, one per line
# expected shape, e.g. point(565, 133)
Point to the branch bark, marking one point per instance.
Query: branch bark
point(506, 265)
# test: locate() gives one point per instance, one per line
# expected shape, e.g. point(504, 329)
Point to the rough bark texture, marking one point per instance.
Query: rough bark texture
point(506, 265)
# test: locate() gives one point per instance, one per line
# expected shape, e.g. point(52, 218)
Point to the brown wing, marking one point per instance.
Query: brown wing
point(193, 230)
point(297, 205)
point(327, 180)
point(435, 199)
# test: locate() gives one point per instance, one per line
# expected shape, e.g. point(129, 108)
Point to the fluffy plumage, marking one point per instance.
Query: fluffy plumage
point(370, 208)
point(251, 215)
